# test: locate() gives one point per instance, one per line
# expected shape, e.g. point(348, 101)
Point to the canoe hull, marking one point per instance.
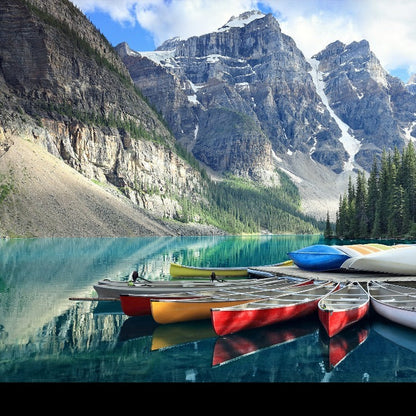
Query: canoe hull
point(336, 321)
point(400, 260)
point(393, 302)
point(340, 309)
point(108, 291)
point(140, 305)
point(229, 321)
point(178, 270)
point(400, 316)
point(115, 289)
point(318, 257)
point(167, 312)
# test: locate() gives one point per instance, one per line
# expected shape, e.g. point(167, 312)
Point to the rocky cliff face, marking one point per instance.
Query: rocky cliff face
point(238, 97)
point(63, 86)
point(245, 100)
point(378, 109)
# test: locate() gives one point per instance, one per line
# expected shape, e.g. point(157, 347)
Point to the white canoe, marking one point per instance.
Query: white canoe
point(394, 302)
point(113, 289)
point(400, 260)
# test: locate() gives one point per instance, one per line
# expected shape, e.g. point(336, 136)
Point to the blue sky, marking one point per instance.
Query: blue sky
point(388, 25)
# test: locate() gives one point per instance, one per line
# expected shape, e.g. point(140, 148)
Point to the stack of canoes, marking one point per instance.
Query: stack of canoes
point(195, 304)
point(380, 258)
point(166, 311)
point(294, 304)
point(240, 304)
point(237, 307)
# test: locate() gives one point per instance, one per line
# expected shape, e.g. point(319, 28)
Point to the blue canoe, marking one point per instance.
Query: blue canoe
point(318, 258)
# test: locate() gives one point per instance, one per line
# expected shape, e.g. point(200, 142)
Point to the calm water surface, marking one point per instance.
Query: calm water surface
point(45, 337)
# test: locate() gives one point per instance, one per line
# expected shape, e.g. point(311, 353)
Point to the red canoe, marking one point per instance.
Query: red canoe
point(296, 304)
point(343, 308)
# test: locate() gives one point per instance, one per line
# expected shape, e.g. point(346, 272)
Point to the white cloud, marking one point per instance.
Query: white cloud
point(120, 10)
point(388, 25)
point(185, 18)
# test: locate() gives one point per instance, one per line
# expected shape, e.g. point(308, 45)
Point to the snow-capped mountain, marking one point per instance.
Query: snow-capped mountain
point(245, 100)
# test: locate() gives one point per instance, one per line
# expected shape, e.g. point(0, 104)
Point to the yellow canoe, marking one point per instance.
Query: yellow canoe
point(178, 270)
point(171, 311)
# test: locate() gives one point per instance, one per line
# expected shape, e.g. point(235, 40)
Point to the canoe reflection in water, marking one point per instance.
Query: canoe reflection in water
point(170, 335)
point(229, 348)
point(240, 344)
point(137, 327)
point(335, 349)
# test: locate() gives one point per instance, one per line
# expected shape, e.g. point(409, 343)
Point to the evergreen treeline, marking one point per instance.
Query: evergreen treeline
point(240, 206)
point(384, 205)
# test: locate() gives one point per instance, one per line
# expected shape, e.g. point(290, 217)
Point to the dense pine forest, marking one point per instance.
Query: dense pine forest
point(382, 205)
point(241, 206)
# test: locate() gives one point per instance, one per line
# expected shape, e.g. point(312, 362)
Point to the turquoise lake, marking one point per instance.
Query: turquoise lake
point(46, 337)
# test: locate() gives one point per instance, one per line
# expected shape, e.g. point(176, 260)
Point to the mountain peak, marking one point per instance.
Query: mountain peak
point(242, 20)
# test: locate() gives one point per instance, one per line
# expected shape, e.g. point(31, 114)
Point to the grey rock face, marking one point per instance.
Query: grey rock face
point(238, 97)
point(64, 87)
point(250, 68)
point(377, 107)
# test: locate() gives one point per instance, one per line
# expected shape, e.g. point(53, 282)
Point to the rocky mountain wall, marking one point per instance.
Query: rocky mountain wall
point(246, 101)
point(74, 96)
point(376, 106)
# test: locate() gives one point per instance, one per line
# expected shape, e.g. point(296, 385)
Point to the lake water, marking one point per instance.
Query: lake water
point(45, 337)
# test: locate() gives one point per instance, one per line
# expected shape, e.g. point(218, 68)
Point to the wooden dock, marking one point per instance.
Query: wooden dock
point(337, 276)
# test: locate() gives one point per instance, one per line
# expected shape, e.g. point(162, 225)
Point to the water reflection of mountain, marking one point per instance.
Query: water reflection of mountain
point(137, 327)
point(38, 276)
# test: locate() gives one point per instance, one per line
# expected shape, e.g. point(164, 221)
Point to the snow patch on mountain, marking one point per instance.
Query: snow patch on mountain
point(407, 132)
point(242, 20)
point(350, 143)
point(164, 58)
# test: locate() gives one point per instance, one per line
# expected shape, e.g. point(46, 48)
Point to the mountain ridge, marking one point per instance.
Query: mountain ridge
point(298, 115)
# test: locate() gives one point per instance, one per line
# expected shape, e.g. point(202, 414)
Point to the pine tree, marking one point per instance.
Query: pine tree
point(384, 205)
point(328, 228)
point(372, 196)
point(361, 207)
point(409, 181)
